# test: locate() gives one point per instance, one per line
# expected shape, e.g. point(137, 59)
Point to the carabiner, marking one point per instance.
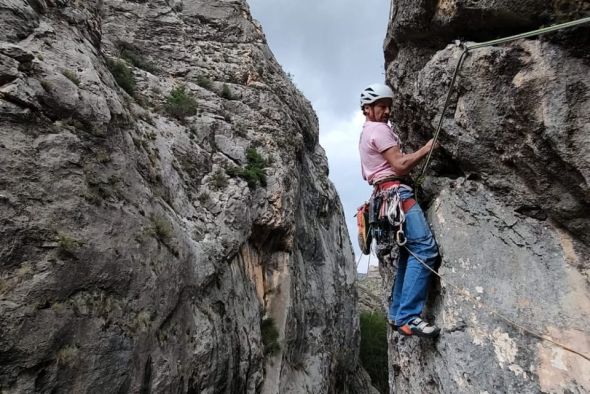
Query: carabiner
point(400, 237)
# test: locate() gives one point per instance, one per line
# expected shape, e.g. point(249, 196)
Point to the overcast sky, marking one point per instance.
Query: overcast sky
point(333, 49)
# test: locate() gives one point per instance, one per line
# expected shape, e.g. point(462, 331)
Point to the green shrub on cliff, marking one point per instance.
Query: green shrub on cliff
point(133, 56)
point(161, 228)
point(270, 336)
point(254, 170)
point(254, 173)
point(123, 75)
point(218, 180)
point(226, 93)
point(180, 103)
point(374, 348)
point(72, 76)
point(204, 81)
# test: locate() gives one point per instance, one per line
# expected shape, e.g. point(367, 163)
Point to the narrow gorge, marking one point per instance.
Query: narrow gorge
point(167, 224)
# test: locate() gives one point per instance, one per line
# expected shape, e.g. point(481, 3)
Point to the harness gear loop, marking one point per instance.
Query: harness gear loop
point(391, 206)
point(400, 237)
point(395, 211)
point(396, 215)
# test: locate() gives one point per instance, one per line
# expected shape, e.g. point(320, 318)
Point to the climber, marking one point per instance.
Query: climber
point(386, 168)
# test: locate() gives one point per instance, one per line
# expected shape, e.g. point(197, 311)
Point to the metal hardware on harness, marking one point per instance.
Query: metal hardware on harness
point(400, 237)
point(397, 216)
point(386, 204)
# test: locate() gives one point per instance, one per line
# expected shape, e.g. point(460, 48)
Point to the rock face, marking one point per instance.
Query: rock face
point(370, 290)
point(142, 245)
point(508, 196)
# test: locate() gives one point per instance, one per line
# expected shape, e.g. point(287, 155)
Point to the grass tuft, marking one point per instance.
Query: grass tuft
point(204, 82)
point(67, 355)
point(226, 92)
point(46, 85)
point(135, 58)
point(123, 75)
point(68, 245)
point(180, 103)
point(161, 228)
point(254, 173)
point(69, 74)
point(218, 180)
point(270, 336)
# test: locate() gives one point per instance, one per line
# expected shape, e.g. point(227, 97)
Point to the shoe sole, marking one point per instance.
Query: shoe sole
point(420, 334)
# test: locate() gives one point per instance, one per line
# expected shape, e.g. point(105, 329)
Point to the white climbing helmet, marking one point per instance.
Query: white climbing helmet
point(375, 92)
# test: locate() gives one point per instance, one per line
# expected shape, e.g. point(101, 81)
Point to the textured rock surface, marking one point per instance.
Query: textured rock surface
point(131, 261)
point(370, 290)
point(509, 199)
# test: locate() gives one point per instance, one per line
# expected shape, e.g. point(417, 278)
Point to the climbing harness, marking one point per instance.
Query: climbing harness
point(495, 312)
point(470, 47)
point(382, 217)
point(396, 215)
point(391, 208)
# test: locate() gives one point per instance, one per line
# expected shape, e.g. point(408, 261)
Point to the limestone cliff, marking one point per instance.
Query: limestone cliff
point(508, 195)
point(370, 290)
point(163, 196)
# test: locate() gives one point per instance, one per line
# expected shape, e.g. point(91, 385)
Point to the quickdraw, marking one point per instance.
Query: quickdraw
point(390, 206)
point(397, 216)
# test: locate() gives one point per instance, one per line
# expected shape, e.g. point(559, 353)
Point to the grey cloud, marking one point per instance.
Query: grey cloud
point(334, 47)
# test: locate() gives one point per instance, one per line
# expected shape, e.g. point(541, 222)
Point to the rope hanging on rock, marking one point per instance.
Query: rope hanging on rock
point(420, 179)
point(532, 33)
point(469, 47)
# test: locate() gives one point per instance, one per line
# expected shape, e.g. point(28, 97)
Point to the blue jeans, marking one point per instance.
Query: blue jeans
point(410, 288)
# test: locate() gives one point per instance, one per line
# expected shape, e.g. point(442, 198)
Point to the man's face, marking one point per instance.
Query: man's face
point(379, 111)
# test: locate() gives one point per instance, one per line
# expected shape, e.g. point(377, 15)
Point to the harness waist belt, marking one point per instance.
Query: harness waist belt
point(408, 204)
point(401, 179)
point(387, 185)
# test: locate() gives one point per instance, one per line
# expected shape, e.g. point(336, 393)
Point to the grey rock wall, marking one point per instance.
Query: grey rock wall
point(371, 291)
point(508, 194)
point(133, 258)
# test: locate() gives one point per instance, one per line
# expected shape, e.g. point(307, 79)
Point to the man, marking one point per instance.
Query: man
point(384, 166)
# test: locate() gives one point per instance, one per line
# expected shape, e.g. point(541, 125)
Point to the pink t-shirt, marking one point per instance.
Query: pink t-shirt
point(375, 139)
